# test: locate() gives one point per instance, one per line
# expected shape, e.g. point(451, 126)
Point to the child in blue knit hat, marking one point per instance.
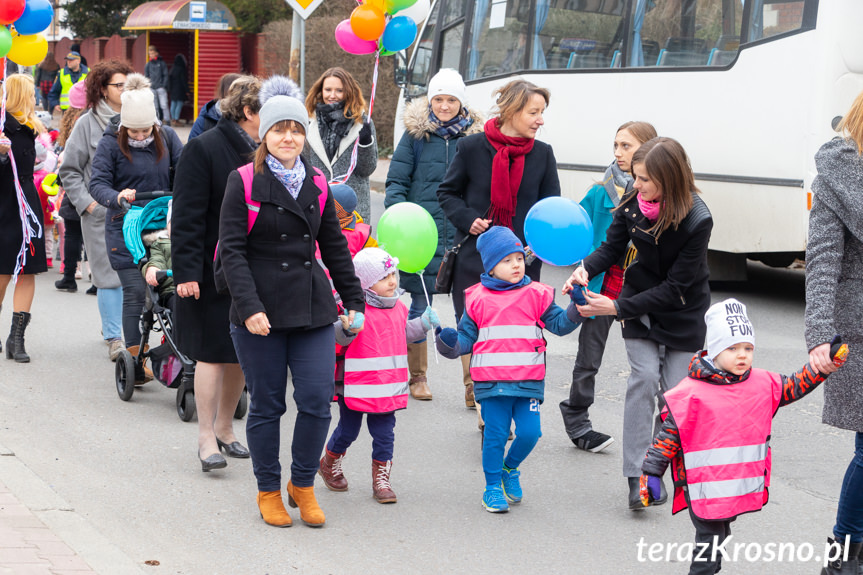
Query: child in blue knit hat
point(501, 327)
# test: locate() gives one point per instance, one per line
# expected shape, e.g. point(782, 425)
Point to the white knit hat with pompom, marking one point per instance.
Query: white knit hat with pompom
point(139, 108)
point(372, 265)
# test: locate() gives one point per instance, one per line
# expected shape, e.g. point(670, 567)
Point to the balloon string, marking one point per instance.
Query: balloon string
point(355, 152)
point(428, 303)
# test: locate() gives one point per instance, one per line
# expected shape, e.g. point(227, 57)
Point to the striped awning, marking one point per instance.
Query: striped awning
point(175, 14)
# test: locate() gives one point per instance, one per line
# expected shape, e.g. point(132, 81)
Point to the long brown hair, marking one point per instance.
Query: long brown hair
point(123, 141)
point(852, 124)
point(262, 151)
point(668, 166)
point(641, 131)
point(355, 104)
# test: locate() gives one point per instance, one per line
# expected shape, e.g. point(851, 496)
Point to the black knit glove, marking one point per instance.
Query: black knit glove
point(366, 134)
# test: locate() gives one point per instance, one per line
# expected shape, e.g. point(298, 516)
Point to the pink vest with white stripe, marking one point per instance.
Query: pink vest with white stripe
point(376, 362)
point(724, 436)
point(510, 346)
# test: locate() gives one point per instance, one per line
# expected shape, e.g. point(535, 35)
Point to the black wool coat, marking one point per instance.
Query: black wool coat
point(667, 281)
point(465, 195)
point(203, 329)
point(272, 268)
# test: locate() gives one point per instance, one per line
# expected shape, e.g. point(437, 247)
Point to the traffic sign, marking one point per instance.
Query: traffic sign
point(304, 7)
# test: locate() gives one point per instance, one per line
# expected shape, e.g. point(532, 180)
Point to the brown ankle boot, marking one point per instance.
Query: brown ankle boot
point(304, 498)
point(469, 400)
point(331, 471)
point(381, 487)
point(273, 509)
point(418, 365)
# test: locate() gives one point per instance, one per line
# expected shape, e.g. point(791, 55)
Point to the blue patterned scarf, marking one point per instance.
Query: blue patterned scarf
point(450, 128)
point(292, 179)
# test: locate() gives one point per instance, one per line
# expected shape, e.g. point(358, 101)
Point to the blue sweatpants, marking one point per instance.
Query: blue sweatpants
point(498, 413)
point(381, 428)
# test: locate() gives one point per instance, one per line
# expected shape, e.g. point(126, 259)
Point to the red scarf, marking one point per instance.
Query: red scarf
point(507, 169)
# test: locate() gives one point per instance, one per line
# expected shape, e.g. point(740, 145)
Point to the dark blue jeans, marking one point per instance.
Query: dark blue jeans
point(134, 296)
point(418, 306)
point(381, 427)
point(849, 517)
point(265, 360)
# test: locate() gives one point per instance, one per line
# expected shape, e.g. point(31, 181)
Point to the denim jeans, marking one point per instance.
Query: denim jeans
point(418, 306)
point(110, 302)
point(849, 517)
point(176, 109)
point(134, 295)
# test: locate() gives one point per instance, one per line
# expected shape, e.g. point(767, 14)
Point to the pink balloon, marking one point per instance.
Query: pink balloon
point(352, 44)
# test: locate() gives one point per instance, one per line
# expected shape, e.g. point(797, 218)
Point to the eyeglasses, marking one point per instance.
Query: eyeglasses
point(118, 85)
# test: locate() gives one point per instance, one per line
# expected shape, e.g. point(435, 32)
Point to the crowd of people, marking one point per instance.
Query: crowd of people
point(275, 271)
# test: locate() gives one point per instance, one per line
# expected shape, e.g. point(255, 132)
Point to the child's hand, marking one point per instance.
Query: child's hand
point(448, 336)
point(838, 351)
point(357, 320)
point(577, 296)
point(346, 322)
point(649, 488)
point(430, 319)
point(151, 276)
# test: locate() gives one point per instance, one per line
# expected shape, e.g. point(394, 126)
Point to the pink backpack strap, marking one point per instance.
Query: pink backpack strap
point(247, 172)
point(321, 183)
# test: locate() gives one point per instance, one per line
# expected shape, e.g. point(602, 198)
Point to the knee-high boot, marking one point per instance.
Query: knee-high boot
point(468, 382)
point(15, 344)
point(418, 365)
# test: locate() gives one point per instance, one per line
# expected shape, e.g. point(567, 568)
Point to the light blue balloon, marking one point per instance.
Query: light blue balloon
point(559, 231)
point(400, 33)
point(37, 17)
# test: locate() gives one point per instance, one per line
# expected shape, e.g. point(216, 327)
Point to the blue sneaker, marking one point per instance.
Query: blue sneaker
point(493, 499)
point(511, 486)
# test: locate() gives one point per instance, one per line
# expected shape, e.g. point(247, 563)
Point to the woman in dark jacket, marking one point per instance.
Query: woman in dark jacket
point(433, 127)
point(477, 191)
point(665, 292)
point(19, 133)
point(46, 73)
point(135, 156)
point(178, 87)
point(201, 313)
point(282, 307)
point(211, 111)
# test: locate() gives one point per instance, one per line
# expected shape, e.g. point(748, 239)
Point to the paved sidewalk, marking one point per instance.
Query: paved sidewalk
point(40, 534)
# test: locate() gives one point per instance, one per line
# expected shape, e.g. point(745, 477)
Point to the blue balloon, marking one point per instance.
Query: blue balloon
point(400, 33)
point(37, 17)
point(558, 231)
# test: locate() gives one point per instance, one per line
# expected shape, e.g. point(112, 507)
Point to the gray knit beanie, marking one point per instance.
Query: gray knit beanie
point(280, 108)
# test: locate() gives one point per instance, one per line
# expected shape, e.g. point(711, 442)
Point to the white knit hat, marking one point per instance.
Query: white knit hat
point(447, 82)
point(727, 324)
point(372, 265)
point(139, 109)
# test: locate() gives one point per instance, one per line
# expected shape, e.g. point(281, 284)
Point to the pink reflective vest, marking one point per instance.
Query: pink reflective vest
point(724, 438)
point(376, 362)
point(510, 345)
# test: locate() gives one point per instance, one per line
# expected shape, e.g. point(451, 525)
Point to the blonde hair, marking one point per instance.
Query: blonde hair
point(20, 102)
point(852, 124)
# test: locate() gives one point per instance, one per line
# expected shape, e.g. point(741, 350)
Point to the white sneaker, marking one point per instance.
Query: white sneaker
point(115, 346)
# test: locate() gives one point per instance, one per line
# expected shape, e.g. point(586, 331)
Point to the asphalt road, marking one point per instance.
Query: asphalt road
point(130, 468)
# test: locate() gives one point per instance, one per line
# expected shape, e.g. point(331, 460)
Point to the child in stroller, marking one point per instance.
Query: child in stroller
point(158, 259)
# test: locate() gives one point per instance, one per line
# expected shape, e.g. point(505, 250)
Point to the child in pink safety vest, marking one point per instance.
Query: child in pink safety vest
point(502, 327)
point(372, 372)
point(716, 431)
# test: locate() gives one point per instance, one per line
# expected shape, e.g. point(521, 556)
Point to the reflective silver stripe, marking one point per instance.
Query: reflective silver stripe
point(376, 391)
point(253, 208)
point(725, 456)
point(376, 363)
point(507, 359)
point(509, 332)
point(727, 488)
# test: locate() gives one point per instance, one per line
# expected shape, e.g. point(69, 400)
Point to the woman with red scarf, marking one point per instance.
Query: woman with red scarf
point(495, 178)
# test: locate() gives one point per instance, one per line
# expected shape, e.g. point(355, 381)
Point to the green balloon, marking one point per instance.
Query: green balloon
point(394, 6)
point(5, 41)
point(407, 231)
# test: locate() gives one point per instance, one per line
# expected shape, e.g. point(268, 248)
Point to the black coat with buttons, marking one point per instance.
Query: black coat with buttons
point(272, 269)
point(665, 291)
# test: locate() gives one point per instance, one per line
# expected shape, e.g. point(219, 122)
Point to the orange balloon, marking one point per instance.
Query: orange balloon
point(368, 22)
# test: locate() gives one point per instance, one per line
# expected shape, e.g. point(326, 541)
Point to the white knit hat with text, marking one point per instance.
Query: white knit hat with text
point(372, 265)
point(727, 324)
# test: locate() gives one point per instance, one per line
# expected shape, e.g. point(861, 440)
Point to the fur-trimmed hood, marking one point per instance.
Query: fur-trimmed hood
point(150, 238)
point(416, 119)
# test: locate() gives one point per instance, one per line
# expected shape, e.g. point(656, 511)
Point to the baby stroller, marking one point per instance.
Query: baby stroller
point(170, 366)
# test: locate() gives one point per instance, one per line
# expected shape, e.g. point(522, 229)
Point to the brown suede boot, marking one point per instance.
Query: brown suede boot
point(273, 509)
point(331, 471)
point(381, 487)
point(304, 498)
point(147, 374)
point(469, 400)
point(418, 365)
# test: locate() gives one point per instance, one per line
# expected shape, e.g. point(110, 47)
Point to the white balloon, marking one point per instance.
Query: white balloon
point(418, 12)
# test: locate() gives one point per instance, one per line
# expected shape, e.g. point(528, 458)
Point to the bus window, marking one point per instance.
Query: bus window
point(684, 32)
point(418, 72)
point(773, 18)
point(498, 37)
point(576, 34)
point(452, 26)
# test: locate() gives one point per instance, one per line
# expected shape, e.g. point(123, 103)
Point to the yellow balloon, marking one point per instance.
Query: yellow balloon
point(28, 50)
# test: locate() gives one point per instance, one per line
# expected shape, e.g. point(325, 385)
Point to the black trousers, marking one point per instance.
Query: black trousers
point(707, 535)
point(73, 239)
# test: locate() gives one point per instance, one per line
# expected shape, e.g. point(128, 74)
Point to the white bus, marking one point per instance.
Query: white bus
point(749, 87)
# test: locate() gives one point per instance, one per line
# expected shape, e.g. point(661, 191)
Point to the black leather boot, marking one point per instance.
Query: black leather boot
point(840, 566)
point(15, 344)
point(634, 495)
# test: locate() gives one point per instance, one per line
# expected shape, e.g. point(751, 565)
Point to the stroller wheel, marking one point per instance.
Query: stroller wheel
point(242, 406)
point(124, 375)
point(185, 403)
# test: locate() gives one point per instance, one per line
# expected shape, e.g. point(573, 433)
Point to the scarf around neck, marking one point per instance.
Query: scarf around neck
point(141, 144)
point(453, 127)
point(292, 178)
point(496, 284)
point(103, 113)
point(615, 179)
point(333, 126)
point(507, 169)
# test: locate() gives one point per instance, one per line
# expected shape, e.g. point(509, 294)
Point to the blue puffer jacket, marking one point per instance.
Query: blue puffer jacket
point(207, 118)
point(112, 173)
point(409, 180)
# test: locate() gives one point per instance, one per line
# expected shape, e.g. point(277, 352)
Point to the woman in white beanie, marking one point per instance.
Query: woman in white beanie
point(133, 157)
point(282, 306)
point(433, 127)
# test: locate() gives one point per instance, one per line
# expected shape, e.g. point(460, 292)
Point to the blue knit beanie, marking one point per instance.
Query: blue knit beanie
point(495, 244)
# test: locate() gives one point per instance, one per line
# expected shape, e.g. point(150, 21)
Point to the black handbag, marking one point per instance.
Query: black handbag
point(446, 271)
